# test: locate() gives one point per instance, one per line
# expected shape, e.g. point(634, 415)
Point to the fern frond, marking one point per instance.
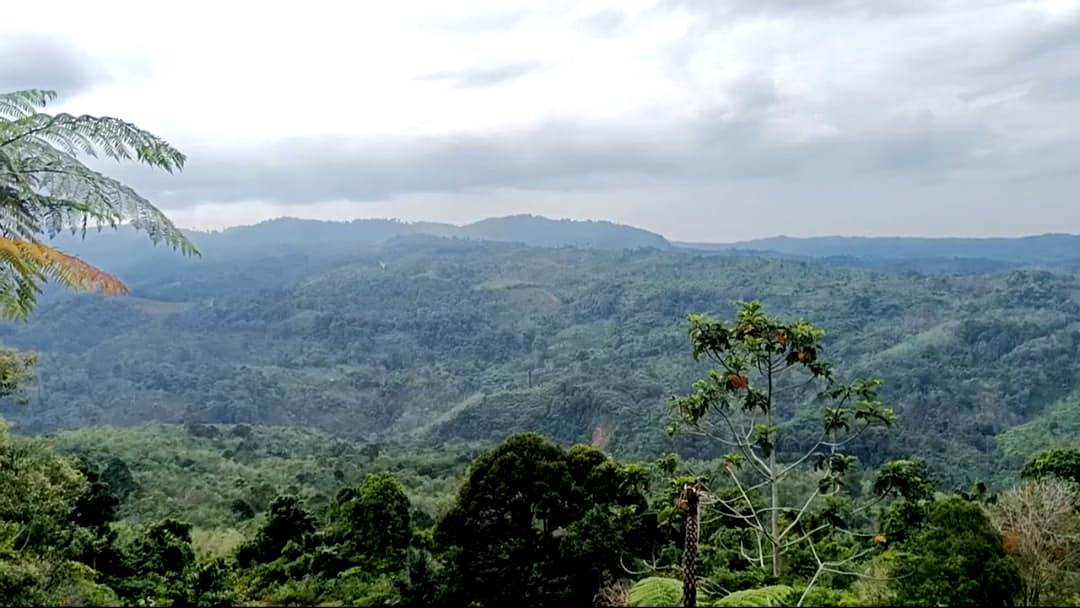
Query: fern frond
point(27, 264)
point(73, 272)
point(69, 195)
point(45, 187)
point(115, 138)
point(774, 595)
point(17, 219)
point(24, 103)
point(656, 591)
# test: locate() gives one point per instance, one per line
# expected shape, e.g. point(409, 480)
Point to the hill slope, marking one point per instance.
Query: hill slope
point(448, 339)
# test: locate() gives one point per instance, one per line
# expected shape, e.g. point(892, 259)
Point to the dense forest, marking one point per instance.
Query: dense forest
point(307, 417)
point(382, 337)
point(237, 514)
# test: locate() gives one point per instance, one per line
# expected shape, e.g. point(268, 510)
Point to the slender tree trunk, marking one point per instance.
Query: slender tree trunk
point(774, 527)
point(690, 548)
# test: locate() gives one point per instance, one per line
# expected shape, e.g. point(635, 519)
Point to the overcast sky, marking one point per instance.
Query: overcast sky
point(705, 120)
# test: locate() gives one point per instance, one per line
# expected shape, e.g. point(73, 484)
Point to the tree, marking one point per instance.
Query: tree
point(373, 523)
point(158, 564)
point(1063, 463)
point(957, 559)
point(911, 481)
point(287, 522)
point(1042, 533)
point(739, 404)
point(535, 525)
point(46, 189)
point(16, 371)
point(38, 493)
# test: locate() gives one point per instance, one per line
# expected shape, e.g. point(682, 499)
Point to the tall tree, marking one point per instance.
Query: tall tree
point(956, 559)
point(372, 523)
point(534, 525)
point(287, 522)
point(738, 403)
point(45, 188)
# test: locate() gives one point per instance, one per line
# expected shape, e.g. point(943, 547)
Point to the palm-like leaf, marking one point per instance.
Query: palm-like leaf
point(656, 591)
point(774, 595)
point(45, 189)
point(24, 264)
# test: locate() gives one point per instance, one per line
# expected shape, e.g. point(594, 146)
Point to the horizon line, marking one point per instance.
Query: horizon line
point(631, 226)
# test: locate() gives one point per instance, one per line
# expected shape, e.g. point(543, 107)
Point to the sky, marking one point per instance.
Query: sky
point(704, 120)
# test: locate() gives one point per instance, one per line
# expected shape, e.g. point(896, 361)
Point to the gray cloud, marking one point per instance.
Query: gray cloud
point(553, 157)
point(943, 127)
point(35, 62)
point(485, 77)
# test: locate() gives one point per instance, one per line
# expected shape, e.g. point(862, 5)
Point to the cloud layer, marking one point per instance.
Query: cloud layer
point(28, 61)
point(699, 118)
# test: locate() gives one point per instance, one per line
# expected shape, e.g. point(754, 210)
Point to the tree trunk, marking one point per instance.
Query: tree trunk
point(690, 548)
point(774, 528)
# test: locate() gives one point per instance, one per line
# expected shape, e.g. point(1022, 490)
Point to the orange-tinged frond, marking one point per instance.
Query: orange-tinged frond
point(77, 274)
point(32, 258)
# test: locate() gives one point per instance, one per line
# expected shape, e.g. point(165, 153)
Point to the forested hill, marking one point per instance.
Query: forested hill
point(424, 338)
point(525, 229)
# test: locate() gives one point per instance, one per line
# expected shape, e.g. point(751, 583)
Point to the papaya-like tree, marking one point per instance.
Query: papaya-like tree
point(761, 364)
point(45, 189)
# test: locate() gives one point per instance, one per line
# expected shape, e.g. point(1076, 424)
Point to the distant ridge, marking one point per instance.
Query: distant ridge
point(1040, 248)
point(538, 231)
point(533, 230)
point(293, 233)
point(543, 232)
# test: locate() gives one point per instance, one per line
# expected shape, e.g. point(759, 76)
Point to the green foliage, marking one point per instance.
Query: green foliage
point(1062, 463)
point(957, 559)
point(773, 595)
point(909, 479)
point(1056, 426)
point(45, 531)
point(16, 372)
point(286, 523)
point(372, 523)
point(39, 490)
point(580, 342)
point(659, 591)
point(45, 189)
point(157, 563)
point(203, 475)
point(531, 524)
point(656, 591)
point(534, 521)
